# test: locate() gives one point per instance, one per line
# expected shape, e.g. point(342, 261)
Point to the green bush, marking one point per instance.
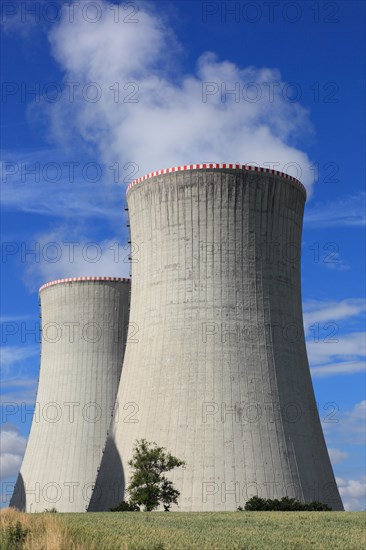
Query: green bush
point(317, 506)
point(256, 504)
point(124, 506)
point(286, 504)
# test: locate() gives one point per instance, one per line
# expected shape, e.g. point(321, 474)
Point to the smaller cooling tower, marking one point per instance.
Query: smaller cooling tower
point(84, 323)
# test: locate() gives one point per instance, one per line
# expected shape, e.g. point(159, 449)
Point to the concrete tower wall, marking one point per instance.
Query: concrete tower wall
point(84, 322)
point(218, 370)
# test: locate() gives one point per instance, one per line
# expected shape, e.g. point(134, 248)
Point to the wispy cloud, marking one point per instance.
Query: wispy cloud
point(21, 395)
point(19, 382)
point(15, 354)
point(19, 365)
point(334, 369)
point(318, 311)
point(334, 345)
point(337, 456)
point(21, 17)
point(337, 263)
point(15, 318)
point(58, 183)
point(337, 354)
point(347, 211)
point(77, 256)
point(349, 427)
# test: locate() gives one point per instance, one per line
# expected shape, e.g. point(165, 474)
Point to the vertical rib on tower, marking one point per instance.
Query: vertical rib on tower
point(83, 326)
point(219, 372)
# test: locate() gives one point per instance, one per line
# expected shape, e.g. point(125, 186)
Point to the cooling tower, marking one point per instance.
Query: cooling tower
point(217, 371)
point(83, 325)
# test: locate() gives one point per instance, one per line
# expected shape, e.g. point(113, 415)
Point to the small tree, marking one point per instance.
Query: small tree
point(148, 486)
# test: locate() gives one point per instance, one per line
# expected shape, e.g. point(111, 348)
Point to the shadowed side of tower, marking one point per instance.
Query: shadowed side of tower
point(84, 322)
point(217, 369)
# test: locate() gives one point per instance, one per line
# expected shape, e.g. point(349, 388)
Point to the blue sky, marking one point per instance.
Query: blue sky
point(93, 98)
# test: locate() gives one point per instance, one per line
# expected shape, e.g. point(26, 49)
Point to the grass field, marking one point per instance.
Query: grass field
point(197, 531)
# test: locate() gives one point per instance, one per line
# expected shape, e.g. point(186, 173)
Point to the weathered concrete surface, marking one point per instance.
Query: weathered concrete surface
point(83, 327)
point(217, 368)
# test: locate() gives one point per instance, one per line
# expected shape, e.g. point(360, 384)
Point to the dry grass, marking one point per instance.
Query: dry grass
point(46, 532)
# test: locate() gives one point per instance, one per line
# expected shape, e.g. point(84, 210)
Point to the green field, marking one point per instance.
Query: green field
point(231, 530)
point(185, 531)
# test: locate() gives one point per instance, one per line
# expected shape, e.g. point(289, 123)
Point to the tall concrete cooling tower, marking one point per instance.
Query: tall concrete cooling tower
point(83, 325)
point(218, 370)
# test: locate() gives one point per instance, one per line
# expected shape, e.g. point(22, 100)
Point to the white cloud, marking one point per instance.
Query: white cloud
point(12, 446)
point(337, 456)
point(12, 442)
point(9, 464)
point(161, 119)
point(353, 493)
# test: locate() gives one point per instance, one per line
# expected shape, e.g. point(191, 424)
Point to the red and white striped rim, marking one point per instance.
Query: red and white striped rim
point(83, 279)
point(245, 167)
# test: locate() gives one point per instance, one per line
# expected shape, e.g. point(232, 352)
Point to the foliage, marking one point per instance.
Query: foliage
point(15, 536)
point(286, 504)
point(148, 486)
point(50, 511)
point(124, 506)
point(316, 506)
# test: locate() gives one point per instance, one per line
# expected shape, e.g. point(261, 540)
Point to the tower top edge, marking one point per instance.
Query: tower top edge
point(215, 166)
point(85, 280)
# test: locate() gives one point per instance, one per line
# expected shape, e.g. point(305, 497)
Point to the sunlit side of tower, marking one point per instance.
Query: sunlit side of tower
point(84, 321)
